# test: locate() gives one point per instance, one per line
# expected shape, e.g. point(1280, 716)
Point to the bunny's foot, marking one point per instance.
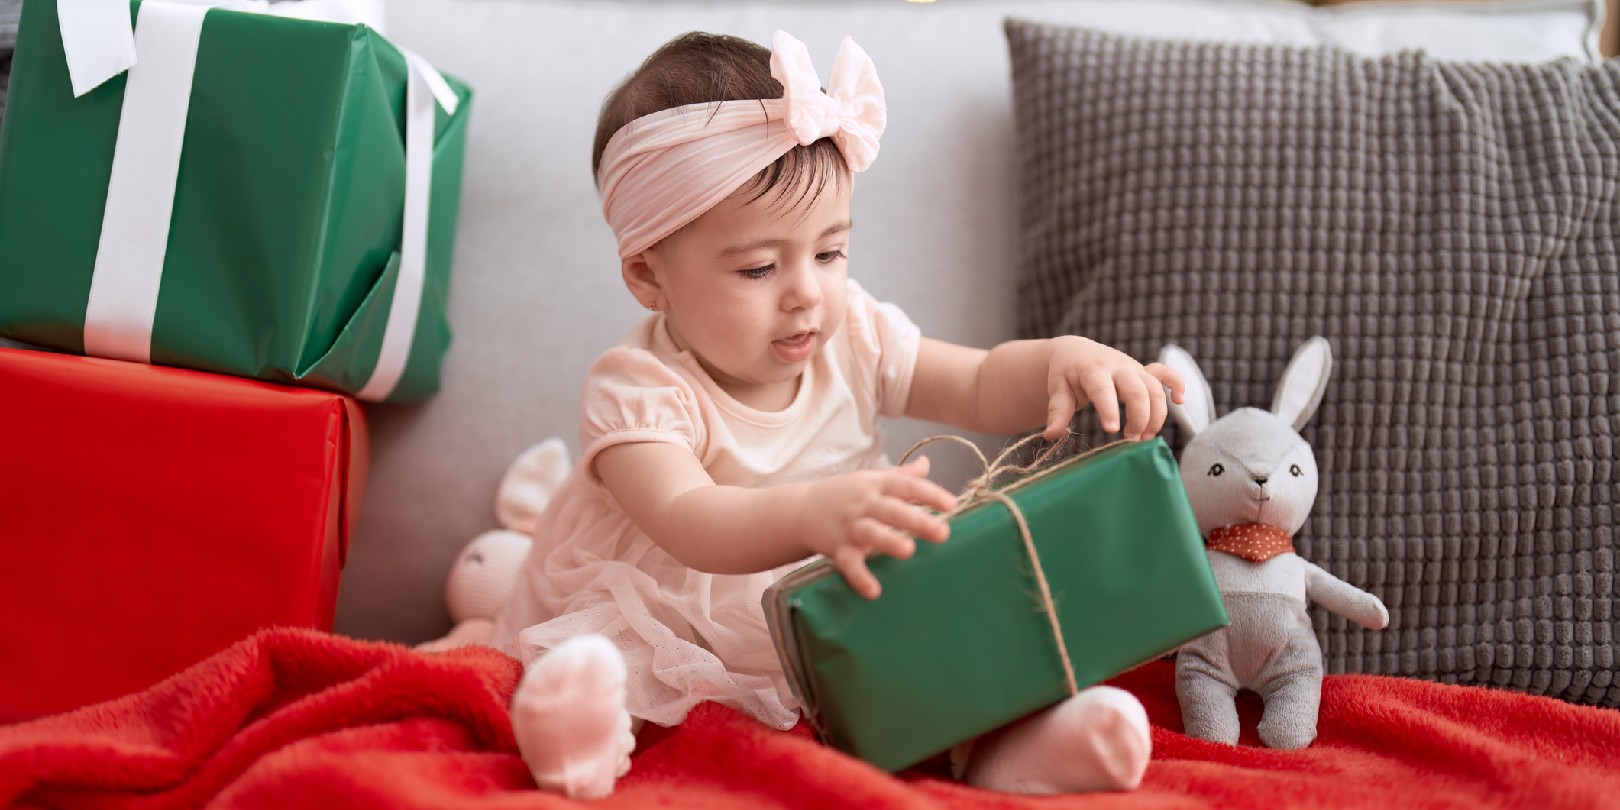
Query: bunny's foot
point(570, 720)
point(1208, 710)
point(1292, 703)
point(1096, 740)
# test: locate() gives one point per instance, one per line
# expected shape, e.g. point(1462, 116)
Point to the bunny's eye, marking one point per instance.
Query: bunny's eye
point(1295, 470)
point(1216, 470)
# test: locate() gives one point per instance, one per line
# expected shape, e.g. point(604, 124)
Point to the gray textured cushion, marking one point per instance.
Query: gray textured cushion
point(1451, 228)
point(9, 12)
point(5, 81)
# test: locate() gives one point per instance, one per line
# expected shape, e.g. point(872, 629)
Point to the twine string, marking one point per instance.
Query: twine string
point(981, 489)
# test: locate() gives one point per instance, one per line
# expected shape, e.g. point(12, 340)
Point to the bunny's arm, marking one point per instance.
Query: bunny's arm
point(1344, 599)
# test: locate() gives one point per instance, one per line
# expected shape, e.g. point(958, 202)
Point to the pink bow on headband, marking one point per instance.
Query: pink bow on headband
point(664, 169)
point(851, 111)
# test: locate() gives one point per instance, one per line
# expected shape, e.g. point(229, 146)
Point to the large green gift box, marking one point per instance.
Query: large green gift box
point(958, 644)
point(303, 236)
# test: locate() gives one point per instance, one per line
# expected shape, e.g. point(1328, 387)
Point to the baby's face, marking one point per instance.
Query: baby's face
point(754, 288)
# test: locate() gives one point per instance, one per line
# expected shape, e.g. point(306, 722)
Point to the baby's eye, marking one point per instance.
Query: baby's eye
point(830, 256)
point(757, 272)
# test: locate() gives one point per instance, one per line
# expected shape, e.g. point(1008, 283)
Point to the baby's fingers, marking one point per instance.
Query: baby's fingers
point(851, 562)
point(878, 537)
point(911, 520)
point(910, 486)
point(1104, 397)
point(1160, 408)
point(1169, 379)
point(1059, 410)
point(1133, 391)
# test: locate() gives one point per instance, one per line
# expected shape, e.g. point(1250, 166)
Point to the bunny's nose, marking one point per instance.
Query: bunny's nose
point(1261, 480)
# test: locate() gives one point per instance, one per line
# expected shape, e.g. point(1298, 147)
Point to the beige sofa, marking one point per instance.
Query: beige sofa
point(536, 293)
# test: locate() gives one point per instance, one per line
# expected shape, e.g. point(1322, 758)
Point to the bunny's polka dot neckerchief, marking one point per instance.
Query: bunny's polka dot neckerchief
point(1255, 542)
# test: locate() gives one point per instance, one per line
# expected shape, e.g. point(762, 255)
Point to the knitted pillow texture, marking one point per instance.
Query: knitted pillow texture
point(1452, 228)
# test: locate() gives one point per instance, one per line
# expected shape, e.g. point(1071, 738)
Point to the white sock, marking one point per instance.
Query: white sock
point(570, 720)
point(1095, 740)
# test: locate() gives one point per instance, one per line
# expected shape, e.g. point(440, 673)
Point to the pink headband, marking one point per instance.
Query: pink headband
point(661, 171)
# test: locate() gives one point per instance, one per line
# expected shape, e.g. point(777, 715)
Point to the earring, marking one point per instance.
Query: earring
point(653, 306)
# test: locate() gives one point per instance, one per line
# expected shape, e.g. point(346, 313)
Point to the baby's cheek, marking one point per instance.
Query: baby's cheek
point(825, 336)
point(729, 322)
point(832, 318)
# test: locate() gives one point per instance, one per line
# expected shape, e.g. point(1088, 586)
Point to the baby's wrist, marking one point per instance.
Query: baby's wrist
point(793, 511)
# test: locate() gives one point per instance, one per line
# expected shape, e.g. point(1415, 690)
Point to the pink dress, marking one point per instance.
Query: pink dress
point(688, 636)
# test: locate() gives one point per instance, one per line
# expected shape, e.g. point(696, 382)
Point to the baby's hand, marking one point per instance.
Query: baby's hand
point(1081, 369)
point(852, 516)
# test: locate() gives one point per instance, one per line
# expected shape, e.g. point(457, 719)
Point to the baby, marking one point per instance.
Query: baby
point(733, 433)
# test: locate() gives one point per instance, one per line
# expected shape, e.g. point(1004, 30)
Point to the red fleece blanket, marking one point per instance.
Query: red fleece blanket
point(297, 719)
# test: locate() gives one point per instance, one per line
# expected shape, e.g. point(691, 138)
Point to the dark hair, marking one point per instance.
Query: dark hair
point(697, 67)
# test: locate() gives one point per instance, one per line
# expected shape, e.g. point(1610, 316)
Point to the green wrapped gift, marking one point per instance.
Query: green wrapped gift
point(257, 195)
point(959, 643)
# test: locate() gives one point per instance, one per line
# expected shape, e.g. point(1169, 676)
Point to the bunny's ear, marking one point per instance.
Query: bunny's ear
point(530, 483)
point(1303, 383)
point(1199, 408)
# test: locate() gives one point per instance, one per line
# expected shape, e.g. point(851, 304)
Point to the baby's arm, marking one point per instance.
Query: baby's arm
point(1021, 384)
point(739, 530)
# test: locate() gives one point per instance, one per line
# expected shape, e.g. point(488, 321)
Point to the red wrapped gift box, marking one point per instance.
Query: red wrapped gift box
point(151, 516)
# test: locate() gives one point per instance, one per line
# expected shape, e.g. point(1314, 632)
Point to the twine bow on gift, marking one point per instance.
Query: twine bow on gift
point(982, 489)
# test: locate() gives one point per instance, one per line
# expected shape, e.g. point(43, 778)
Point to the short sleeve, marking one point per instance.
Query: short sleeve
point(632, 396)
point(883, 347)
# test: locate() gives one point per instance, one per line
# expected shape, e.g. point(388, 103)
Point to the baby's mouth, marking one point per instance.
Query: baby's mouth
point(795, 348)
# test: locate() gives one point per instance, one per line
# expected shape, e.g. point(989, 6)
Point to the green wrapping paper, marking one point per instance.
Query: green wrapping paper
point(283, 250)
point(958, 644)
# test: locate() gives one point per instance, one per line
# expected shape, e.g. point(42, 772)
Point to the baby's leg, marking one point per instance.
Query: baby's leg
point(1096, 740)
point(570, 720)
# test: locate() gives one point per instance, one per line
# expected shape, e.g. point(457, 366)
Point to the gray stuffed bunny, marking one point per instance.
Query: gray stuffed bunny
point(1251, 480)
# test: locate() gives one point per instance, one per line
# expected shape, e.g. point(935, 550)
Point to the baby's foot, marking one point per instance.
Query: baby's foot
point(1096, 740)
point(570, 720)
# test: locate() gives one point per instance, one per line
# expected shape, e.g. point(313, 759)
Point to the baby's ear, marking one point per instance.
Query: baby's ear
point(1199, 408)
point(641, 279)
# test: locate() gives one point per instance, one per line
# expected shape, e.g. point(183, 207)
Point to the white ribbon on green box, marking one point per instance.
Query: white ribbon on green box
point(160, 54)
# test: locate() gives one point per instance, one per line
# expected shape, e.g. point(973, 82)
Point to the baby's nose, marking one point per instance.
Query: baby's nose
point(805, 291)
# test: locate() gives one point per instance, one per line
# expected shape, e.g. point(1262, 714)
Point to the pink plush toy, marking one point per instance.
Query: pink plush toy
point(486, 571)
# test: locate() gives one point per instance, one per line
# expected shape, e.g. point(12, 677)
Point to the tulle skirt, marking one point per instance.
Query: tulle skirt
point(686, 636)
